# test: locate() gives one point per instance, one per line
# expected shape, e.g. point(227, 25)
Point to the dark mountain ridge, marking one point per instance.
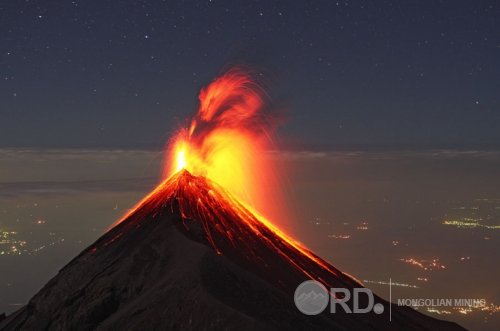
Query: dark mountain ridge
point(191, 257)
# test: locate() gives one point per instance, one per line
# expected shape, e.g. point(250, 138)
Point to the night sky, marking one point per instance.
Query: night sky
point(118, 74)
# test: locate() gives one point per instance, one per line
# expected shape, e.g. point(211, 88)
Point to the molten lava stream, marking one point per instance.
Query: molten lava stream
point(224, 146)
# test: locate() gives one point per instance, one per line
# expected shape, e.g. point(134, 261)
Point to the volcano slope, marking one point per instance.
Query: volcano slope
point(191, 257)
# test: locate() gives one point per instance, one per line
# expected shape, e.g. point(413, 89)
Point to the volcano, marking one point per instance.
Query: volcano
point(190, 256)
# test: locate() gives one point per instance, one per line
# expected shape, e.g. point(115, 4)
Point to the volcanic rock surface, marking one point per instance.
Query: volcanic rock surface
point(191, 257)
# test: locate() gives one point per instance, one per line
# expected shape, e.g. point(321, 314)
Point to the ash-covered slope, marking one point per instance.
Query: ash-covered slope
point(190, 257)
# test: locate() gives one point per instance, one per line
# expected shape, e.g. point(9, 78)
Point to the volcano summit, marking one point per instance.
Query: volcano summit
point(191, 257)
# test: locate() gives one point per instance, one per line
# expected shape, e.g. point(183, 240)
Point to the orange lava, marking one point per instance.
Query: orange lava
point(226, 141)
point(217, 175)
point(231, 228)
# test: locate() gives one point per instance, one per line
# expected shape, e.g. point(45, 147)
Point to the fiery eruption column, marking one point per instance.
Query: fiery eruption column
point(226, 141)
point(219, 174)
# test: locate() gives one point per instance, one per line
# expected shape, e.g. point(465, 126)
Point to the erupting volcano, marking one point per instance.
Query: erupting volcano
point(197, 252)
point(226, 141)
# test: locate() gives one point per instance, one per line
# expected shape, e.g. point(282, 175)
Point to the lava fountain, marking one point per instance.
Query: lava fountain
point(227, 140)
point(218, 174)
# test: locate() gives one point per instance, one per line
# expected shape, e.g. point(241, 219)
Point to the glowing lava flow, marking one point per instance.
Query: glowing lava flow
point(231, 228)
point(217, 176)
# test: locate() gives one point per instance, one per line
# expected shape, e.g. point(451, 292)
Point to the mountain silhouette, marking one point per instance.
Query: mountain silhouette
point(192, 257)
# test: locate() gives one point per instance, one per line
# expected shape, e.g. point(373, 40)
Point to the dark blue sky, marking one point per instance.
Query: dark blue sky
point(349, 73)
